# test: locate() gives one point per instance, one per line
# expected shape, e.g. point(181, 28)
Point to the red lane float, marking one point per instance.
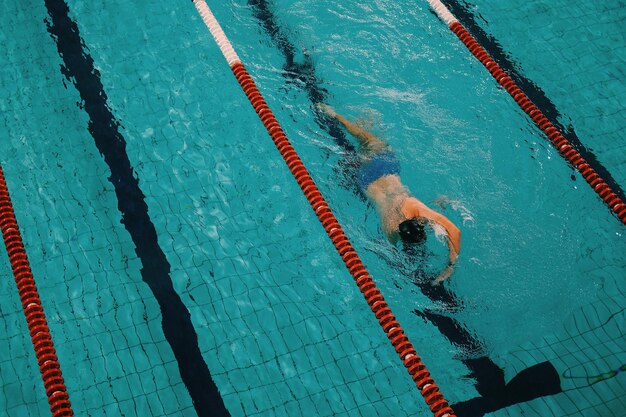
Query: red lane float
point(37, 325)
point(556, 137)
point(416, 368)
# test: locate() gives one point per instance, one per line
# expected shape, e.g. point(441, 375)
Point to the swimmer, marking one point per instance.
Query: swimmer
point(403, 216)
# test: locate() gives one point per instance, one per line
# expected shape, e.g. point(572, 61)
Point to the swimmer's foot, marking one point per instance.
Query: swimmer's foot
point(326, 109)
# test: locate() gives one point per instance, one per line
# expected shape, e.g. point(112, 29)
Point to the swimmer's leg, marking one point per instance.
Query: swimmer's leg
point(368, 140)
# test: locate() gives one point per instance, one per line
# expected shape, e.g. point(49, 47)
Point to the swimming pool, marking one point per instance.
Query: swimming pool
point(160, 194)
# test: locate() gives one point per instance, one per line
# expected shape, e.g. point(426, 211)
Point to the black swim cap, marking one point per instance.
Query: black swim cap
point(412, 231)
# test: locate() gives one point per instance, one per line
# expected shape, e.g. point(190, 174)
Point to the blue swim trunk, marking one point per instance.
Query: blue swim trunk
point(379, 165)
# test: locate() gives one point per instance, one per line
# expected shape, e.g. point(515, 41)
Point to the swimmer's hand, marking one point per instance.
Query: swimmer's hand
point(325, 108)
point(445, 274)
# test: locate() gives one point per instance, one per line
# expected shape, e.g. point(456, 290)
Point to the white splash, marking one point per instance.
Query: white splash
point(457, 205)
point(440, 232)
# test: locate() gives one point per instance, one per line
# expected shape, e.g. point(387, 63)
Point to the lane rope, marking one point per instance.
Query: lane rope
point(58, 398)
point(557, 138)
point(407, 353)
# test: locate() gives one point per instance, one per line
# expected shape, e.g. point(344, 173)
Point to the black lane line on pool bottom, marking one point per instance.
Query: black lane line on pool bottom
point(462, 11)
point(533, 382)
point(303, 75)
point(78, 67)
point(300, 73)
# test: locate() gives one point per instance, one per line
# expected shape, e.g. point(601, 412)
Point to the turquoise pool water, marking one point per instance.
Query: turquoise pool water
point(278, 322)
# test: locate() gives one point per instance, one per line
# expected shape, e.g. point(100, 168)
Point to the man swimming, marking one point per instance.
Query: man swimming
point(402, 216)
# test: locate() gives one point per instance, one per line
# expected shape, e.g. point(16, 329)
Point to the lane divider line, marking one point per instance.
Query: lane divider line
point(407, 353)
point(562, 145)
point(58, 398)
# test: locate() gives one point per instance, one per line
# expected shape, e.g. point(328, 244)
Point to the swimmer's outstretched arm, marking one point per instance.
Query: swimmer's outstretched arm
point(367, 139)
point(454, 235)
